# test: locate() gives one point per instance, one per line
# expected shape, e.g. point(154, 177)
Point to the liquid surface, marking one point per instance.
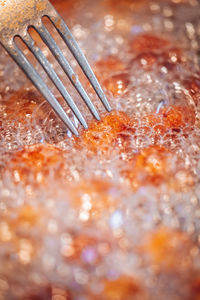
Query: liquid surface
point(113, 214)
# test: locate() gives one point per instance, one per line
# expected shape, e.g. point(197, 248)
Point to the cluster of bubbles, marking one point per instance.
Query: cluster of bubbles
point(90, 233)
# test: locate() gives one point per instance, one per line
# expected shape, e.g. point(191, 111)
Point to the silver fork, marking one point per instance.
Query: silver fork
point(16, 17)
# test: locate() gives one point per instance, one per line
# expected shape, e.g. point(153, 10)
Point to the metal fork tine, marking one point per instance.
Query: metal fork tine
point(33, 75)
point(49, 41)
point(11, 25)
point(69, 40)
point(53, 76)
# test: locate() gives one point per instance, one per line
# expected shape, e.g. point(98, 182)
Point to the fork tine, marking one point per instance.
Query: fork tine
point(69, 40)
point(51, 44)
point(33, 75)
point(53, 76)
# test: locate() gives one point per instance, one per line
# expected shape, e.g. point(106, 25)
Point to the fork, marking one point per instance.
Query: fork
point(16, 18)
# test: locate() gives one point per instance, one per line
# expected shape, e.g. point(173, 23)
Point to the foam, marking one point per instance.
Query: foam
point(32, 255)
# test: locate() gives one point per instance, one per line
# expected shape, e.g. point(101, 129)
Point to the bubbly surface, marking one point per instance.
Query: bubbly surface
point(113, 214)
